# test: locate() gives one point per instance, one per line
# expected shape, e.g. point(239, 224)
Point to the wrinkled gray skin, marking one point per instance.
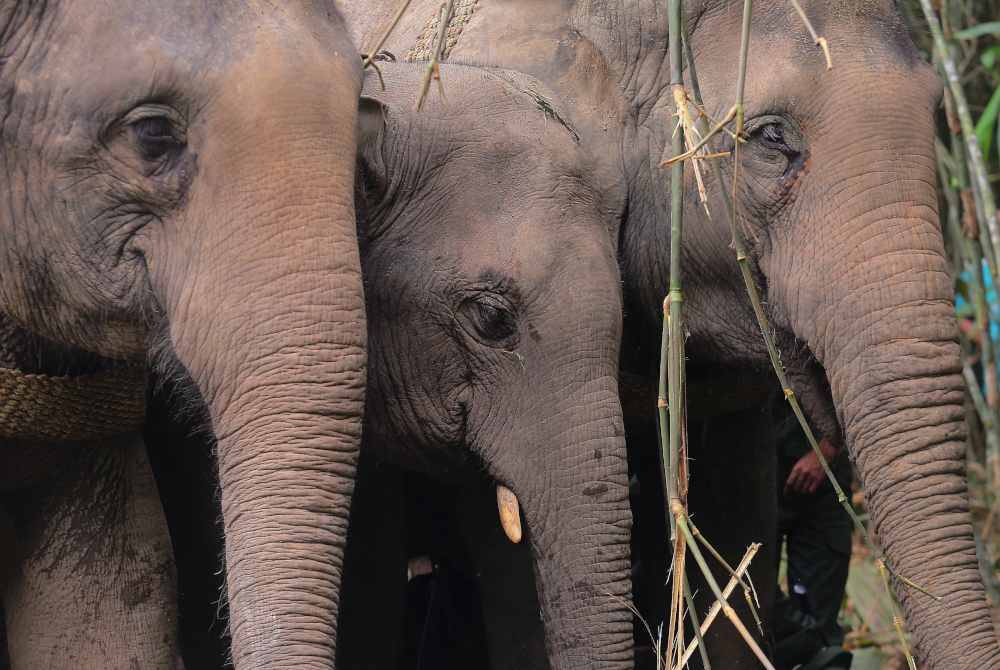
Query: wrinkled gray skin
point(845, 239)
point(174, 186)
point(494, 321)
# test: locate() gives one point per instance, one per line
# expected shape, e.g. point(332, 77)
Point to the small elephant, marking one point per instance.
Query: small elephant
point(178, 181)
point(837, 200)
point(494, 318)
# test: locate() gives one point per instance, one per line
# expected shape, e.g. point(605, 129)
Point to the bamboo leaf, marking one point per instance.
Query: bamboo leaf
point(987, 122)
point(990, 28)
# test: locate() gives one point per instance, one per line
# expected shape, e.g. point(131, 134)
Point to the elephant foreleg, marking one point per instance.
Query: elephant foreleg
point(93, 583)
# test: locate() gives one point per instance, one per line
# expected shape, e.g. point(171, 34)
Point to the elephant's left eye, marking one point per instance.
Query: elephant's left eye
point(490, 320)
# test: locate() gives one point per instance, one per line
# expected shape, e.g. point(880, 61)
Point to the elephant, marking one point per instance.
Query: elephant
point(850, 257)
point(176, 192)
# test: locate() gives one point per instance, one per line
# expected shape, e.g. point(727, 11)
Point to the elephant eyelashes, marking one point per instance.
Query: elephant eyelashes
point(492, 321)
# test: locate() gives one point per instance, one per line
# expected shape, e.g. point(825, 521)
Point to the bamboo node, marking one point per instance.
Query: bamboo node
point(676, 295)
point(661, 402)
point(789, 394)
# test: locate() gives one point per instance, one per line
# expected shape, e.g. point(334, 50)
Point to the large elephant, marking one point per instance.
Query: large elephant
point(838, 201)
point(178, 184)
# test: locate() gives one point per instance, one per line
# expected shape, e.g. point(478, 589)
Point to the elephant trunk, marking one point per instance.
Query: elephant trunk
point(267, 315)
point(579, 524)
point(904, 420)
point(895, 376)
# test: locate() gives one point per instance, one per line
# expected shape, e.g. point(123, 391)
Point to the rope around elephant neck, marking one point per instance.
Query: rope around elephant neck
point(61, 409)
point(423, 48)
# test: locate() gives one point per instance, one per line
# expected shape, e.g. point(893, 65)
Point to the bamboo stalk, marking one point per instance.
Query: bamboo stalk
point(672, 357)
point(699, 639)
point(980, 177)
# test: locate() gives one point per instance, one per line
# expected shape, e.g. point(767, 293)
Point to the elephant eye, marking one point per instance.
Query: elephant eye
point(773, 136)
point(155, 137)
point(156, 131)
point(491, 320)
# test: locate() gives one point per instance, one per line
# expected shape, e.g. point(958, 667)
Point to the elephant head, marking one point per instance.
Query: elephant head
point(494, 320)
point(178, 178)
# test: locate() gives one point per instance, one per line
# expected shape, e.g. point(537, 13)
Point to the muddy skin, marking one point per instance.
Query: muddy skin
point(174, 189)
point(841, 212)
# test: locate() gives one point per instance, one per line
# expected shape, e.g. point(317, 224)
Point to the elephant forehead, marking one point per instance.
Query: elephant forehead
point(84, 57)
point(533, 246)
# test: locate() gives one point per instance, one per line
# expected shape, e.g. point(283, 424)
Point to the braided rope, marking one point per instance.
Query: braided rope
point(423, 48)
point(57, 409)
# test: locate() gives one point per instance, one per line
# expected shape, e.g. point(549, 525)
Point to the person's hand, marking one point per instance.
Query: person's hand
point(806, 476)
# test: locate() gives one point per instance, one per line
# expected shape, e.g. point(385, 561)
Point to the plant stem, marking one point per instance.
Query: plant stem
point(433, 66)
point(699, 639)
point(980, 178)
point(385, 34)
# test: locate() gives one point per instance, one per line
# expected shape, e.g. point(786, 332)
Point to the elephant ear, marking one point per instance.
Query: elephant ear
point(371, 123)
point(371, 176)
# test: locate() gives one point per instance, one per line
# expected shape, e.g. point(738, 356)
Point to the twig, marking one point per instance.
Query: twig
point(817, 40)
point(433, 65)
point(704, 140)
point(385, 34)
point(897, 617)
point(749, 592)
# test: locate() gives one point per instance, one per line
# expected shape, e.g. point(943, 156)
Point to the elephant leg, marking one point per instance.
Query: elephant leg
point(733, 501)
point(514, 631)
point(373, 595)
point(93, 585)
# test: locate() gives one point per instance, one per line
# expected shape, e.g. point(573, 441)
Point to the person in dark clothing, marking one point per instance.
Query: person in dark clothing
point(817, 532)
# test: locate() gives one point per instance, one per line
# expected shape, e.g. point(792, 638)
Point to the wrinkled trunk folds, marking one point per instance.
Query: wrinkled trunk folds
point(579, 525)
point(270, 325)
point(905, 421)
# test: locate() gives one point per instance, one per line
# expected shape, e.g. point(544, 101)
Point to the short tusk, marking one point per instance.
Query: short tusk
point(510, 513)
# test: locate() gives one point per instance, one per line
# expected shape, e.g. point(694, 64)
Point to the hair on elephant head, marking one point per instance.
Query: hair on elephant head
point(494, 317)
point(187, 169)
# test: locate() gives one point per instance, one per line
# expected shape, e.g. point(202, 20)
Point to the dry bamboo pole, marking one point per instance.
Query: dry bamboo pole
point(681, 517)
point(980, 179)
point(716, 607)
